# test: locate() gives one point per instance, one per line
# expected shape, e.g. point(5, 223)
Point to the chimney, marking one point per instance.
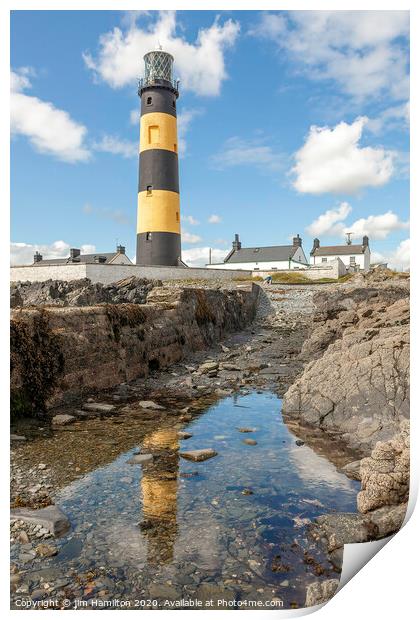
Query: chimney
point(236, 244)
point(120, 249)
point(365, 241)
point(297, 241)
point(37, 257)
point(74, 254)
point(316, 245)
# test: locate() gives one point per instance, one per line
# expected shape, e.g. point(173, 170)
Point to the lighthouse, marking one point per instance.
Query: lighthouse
point(158, 211)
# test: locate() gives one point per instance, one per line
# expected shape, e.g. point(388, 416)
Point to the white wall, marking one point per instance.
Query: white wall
point(112, 273)
point(298, 262)
point(260, 266)
point(121, 259)
point(332, 269)
point(363, 260)
point(299, 255)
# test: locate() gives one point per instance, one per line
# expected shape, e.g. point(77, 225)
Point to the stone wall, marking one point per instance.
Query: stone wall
point(333, 270)
point(61, 354)
point(112, 273)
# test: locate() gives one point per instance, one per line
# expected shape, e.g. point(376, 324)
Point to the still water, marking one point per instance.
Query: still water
point(235, 522)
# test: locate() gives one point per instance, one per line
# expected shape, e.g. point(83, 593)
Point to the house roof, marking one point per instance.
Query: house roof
point(262, 255)
point(331, 250)
point(82, 258)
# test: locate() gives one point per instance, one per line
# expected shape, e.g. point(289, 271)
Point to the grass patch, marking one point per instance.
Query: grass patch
point(247, 279)
point(291, 278)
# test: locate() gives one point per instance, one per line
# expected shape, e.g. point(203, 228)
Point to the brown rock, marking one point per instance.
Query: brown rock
point(198, 455)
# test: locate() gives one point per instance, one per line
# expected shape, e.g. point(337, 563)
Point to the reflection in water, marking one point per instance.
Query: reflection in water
point(159, 494)
point(228, 525)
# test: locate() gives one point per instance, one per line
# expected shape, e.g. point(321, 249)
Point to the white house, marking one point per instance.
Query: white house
point(110, 258)
point(354, 256)
point(273, 258)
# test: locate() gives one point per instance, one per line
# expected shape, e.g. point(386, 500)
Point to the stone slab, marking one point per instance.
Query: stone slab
point(198, 455)
point(51, 517)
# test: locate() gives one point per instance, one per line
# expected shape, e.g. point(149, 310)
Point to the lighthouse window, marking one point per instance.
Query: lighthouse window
point(154, 134)
point(149, 101)
point(173, 103)
point(177, 216)
point(148, 236)
point(175, 148)
point(149, 190)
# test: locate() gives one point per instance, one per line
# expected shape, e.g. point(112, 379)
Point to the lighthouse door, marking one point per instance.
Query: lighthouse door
point(147, 249)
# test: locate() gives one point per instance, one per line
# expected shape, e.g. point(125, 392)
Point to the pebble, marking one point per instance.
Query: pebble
point(149, 404)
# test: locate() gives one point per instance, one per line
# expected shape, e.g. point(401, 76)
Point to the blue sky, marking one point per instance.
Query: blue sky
point(289, 122)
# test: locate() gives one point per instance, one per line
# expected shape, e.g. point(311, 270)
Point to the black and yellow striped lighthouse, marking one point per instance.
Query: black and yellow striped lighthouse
point(158, 216)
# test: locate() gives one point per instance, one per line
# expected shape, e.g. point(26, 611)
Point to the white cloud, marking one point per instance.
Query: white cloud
point(135, 117)
point(363, 52)
point(378, 226)
point(331, 160)
point(190, 220)
point(49, 129)
point(198, 257)
point(23, 253)
point(214, 219)
point(184, 120)
point(200, 65)
point(189, 237)
point(391, 118)
point(239, 152)
point(117, 146)
point(398, 259)
point(331, 222)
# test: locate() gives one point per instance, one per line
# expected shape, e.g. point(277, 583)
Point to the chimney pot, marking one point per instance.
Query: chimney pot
point(236, 244)
point(74, 253)
point(120, 249)
point(297, 241)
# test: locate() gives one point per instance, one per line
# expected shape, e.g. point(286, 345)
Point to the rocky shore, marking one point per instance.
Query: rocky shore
point(337, 353)
point(355, 386)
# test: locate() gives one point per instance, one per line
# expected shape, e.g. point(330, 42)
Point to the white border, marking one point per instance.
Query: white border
point(387, 585)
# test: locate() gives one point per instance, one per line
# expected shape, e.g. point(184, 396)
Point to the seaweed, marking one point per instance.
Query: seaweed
point(36, 353)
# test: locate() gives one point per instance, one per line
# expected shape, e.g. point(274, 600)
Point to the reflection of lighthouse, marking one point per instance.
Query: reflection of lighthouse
point(159, 488)
point(158, 217)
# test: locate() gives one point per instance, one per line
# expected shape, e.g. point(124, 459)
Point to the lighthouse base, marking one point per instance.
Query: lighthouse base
point(158, 248)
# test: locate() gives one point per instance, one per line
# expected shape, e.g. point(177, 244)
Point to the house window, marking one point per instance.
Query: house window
point(148, 236)
point(154, 134)
point(149, 101)
point(256, 268)
point(273, 268)
point(324, 260)
point(149, 190)
point(352, 260)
